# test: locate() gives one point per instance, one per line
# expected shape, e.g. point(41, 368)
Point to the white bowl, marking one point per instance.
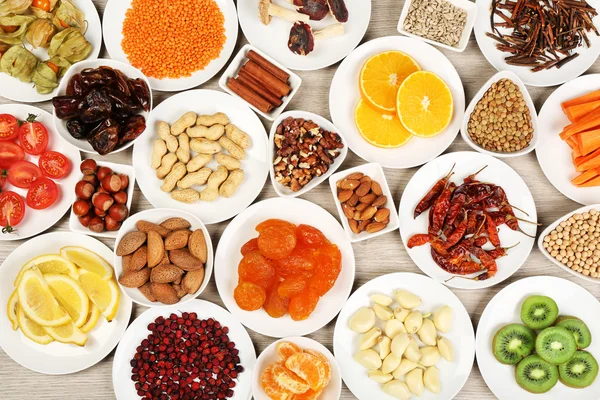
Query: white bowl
point(466, 5)
point(157, 216)
point(270, 356)
point(284, 191)
point(239, 60)
point(128, 170)
point(375, 171)
point(61, 125)
point(534, 118)
point(553, 226)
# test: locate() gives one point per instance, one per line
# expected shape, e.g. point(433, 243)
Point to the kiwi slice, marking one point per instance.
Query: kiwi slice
point(582, 334)
point(539, 312)
point(512, 343)
point(580, 371)
point(555, 345)
point(536, 375)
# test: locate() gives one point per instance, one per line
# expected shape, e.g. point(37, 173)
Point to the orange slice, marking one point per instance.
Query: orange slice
point(286, 349)
point(307, 367)
point(325, 362)
point(424, 104)
point(381, 76)
point(270, 385)
point(288, 380)
point(378, 128)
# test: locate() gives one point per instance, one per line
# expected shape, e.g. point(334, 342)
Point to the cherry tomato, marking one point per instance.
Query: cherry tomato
point(10, 153)
point(33, 136)
point(41, 4)
point(3, 176)
point(54, 164)
point(9, 127)
point(42, 194)
point(12, 210)
point(22, 174)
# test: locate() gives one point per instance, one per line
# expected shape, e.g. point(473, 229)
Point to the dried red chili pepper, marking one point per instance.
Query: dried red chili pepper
point(458, 233)
point(486, 261)
point(463, 268)
point(492, 230)
point(418, 240)
point(471, 222)
point(480, 241)
point(435, 192)
point(500, 251)
point(471, 178)
point(456, 206)
point(440, 209)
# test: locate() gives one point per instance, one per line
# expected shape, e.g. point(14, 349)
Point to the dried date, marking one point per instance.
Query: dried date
point(105, 137)
point(132, 128)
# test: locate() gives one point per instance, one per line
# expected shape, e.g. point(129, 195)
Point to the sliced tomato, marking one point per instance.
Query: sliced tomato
point(9, 127)
point(23, 173)
point(12, 210)
point(42, 194)
point(33, 136)
point(54, 165)
point(10, 153)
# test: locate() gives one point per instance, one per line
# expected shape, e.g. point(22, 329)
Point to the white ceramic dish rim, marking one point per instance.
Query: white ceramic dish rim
point(526, 96)
point(325, 124)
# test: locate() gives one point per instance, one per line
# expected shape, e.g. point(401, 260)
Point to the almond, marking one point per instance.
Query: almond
point(130, 243)
point(139, 259)
point(147, 291)
point(368, 198)
point(348, 211)
point(165, 273)
point(363, 189)
point(376, 188)
point(164, 293)
point(197, 245)
point(375, 227)
point(365, 178)
point(362, 225)
point(134, 279)
point(382, 214)
point(379, 201)
point(353, 225)
point(156, 249)
point(177, 239)
point(361, 207)
point(126, 263)
point(175, 224)
point(368, 213)
point(145, 226)
point(355, 176)
point(184, 260)
point(349, 184)
point(353, 201)
point(192, 281)
point(344, 195)
point(179, 290)
point(165, 259)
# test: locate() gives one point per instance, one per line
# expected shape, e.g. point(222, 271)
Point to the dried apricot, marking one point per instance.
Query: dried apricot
point(310, 236)
point(256, 269)
point(249, 296)
point(286, 349)
point(276, 305)
point(289, 380)
point(307, 367)
point(273, 223)
point(277, 242)
point(328, 267)
point(325, 362)
point(292, 286)
point(270, 385)
point(250, 245)
point(303, 305)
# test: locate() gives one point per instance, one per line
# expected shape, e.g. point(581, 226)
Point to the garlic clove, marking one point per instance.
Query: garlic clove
point(427, 333)
point(414, 381)
point(446, 349)
point(405, 367)
point(397, 389)
point(401, 313)
point(442, 318)
point(390, 363)
point(380, 377)
point(430, 355)
point(407, 299)
point(385, 346)
point(400, 343)
point(368, 359)
point(412, 351)
point(394, 327)
point(413, 322)
point(369, 339)
point(362, 320)
point(382, 312)
point(431, 379)
point(382, 299)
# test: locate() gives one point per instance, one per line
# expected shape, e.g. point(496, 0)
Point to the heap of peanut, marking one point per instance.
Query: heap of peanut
point(363, 203)
point(210, 137)
point(304, 150)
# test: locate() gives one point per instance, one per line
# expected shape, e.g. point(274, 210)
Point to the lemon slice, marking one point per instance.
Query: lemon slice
point(67, 333)
point(88, 260)
point(37, 301)
point(32, 330)
point(49, 264)
point(92, 320)
point(11, 309)
point(103, 293)
point(70, 296)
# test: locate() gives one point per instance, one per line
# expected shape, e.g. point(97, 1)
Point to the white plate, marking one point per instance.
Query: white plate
point(58, 358)
point(553, 226)
point(375, 171)
point(273, 38)
point(269, 356)
point(344, 95)
point(128, 170)
point(14, 89)
point(61, 125)
point(157, 216)
point(505, 308)
point(453, 375)
point(284, 191)
point(121, 370)
point(534, 118)
point(255, 165)
point(497, 173)
point(548, 77)
point(241, 229)
point(36, 221)
point(553, 154)
point(112, 21)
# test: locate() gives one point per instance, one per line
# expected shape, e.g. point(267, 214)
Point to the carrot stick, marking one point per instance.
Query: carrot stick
point(576, 112)
point(590, 161)
point(584, 177)
point(586, 98)
point(591, 182)
point(590, 121)
point(587, 141)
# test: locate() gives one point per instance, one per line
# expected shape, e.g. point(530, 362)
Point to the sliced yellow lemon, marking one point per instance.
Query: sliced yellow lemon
point(11, 309)
point(92, 320)
point(67, 333)
point(49, 264)
point(88, 260)
point(70, 296)
point(37, 301)
point(32, 330)
point(103, 293)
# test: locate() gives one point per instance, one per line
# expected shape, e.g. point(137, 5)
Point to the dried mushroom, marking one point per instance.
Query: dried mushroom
point(338, 10)
point(19, 63)
point(302, 38)
point(315, 9)
point(18, 25)
point(40, 32)
point(14, 7)
point(67, 15)
point(71, 45)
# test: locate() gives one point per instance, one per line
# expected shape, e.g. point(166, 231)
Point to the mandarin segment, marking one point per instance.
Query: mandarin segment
point(270, 385)
point(325, 362)
point(249, 296)
point(256, 269)
point(287, 349)
point(276, 305)
point(308, 395)
point(303, 305)
point(307, 367)
point(288, 380)
point(277, 242)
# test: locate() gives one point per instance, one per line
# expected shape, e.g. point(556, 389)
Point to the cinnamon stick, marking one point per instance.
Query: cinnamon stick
point(247, 80)
point(249, 95)
point(268, 66)
point(266, 78)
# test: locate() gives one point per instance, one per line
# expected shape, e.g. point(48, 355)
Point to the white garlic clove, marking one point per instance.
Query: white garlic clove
point(446, 349)
point(442, 317)
point(385, 346)
point(399, 344)
point(427, 333)
point(430, 355)
point(404, 368)
point(380, 377)
point(368, 359)
point(397, 389)
point(412, 351)
point(407, 299)
point(413, 322)
point(390, 363)
point(369, 339)
point(382, 299)
point(383, 313)
point(362, 320)
point(394, 327)
point(401, 313)
point(431, 379)
point(414, 381)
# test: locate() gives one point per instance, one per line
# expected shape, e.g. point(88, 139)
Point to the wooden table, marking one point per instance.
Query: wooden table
point(375, 257)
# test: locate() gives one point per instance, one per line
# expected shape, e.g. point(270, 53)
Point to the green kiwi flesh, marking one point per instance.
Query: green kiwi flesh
point(512, 343)
point(555, 345)
point(582, 334)
point(580, 371)
point(539, 312)
point(536, 375)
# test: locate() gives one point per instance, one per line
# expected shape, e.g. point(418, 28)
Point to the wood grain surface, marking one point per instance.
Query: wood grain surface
point(375, 257)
